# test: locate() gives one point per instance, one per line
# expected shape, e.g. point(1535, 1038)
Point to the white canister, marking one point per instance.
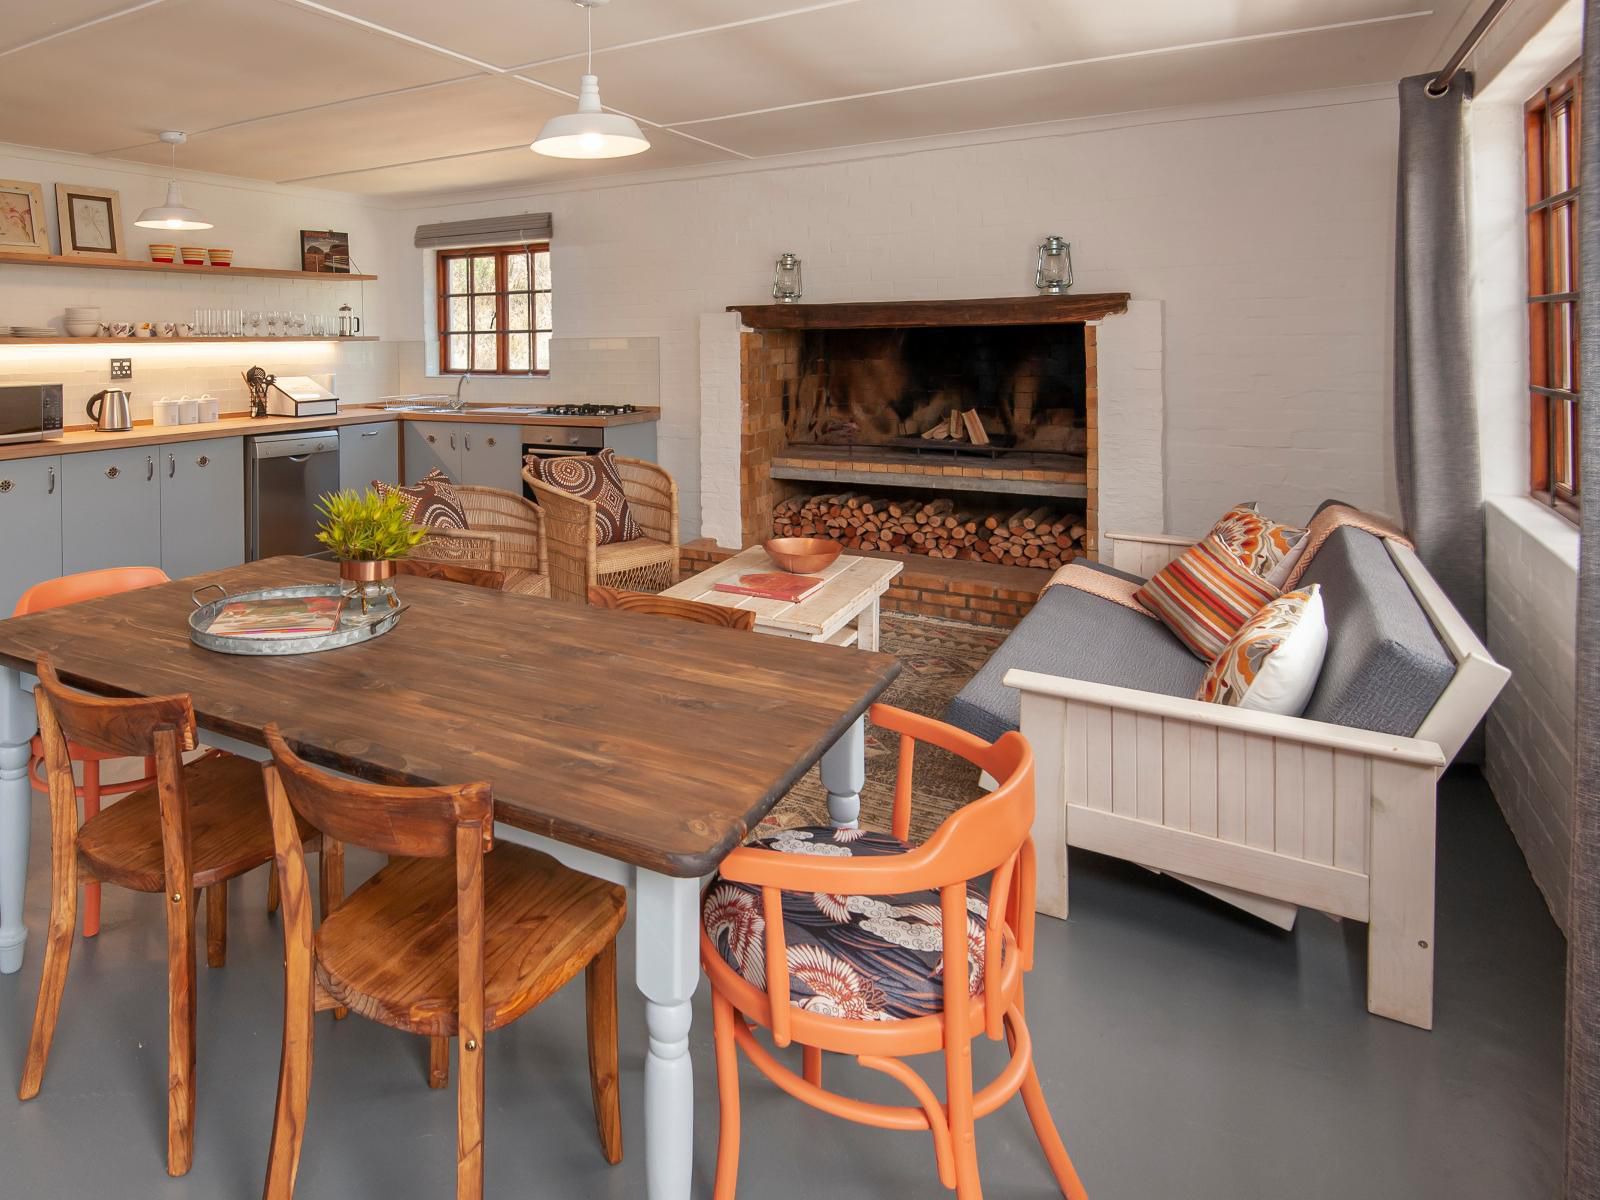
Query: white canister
point(189, 411)
point(210, 407)
point(165, 411)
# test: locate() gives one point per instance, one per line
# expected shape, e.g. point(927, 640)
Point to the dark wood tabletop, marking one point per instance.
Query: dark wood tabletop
point(653, 741)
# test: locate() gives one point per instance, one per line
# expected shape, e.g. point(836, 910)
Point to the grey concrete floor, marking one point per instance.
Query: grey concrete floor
point(1187, 1052)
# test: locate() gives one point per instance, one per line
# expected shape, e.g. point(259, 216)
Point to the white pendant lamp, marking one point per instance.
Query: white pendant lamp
point(174, 214)
point(591, 132)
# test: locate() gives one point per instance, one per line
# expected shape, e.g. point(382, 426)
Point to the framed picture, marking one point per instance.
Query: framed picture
point(22, 222)
point(325, 251)
point(89, 220)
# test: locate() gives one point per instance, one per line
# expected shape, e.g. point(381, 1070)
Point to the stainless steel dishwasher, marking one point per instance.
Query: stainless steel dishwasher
point(285, 475)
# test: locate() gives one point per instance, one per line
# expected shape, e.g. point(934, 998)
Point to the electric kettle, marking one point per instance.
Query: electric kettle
point(111, 411)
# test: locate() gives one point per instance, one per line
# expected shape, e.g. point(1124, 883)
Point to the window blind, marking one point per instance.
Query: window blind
point(485, 231)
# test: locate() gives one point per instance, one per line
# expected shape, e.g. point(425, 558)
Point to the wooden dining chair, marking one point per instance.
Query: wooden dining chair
point(838, 939)
point(666, 606)
point(199, 825)
point(447, 940)
point(451, 573)
point(55, 593)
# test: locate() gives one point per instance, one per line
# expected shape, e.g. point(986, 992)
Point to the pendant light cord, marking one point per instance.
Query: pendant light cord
point(589, 14)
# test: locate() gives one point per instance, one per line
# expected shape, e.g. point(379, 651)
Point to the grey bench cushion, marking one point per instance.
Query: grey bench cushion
point(1080, 636)
point(1385, 667)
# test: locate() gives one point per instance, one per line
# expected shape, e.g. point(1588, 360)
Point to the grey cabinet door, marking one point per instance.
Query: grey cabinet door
point(202, 505)
point(491, 456)
point(633, 441)
point(368, 452)
point(30, 526)
point(430, 445)
point(110, 509)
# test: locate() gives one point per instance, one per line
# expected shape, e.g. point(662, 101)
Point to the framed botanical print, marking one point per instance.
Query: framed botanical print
point(89, 220)
point(22, 221)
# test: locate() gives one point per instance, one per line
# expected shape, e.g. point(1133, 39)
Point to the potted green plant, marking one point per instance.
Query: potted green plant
point(367, 531)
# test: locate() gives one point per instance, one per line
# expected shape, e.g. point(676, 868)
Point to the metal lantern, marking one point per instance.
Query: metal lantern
point(786, 279)
point(1054, 274)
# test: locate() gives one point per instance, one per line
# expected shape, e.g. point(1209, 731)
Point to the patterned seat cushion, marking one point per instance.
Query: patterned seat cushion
point(862, 958)
point(592, 477)
point(431, 501)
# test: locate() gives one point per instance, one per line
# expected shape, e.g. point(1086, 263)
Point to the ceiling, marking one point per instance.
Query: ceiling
point(404, 97)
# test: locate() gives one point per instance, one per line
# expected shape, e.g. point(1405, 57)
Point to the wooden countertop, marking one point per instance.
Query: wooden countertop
point(78, 441)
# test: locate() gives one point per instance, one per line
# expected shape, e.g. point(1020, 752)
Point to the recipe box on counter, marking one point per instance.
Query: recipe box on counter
point(301, 396)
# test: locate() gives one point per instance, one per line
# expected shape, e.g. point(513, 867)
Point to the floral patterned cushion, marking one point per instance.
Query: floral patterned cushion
point(863, 958)
point(1260, 544)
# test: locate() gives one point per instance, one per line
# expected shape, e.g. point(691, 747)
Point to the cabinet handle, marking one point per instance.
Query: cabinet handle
point(491, 441)
point(432, 439)
point(149, 467)
point(172, 465)
point(113, 472)
point(51, 490)
point(467, 438)
point(202, 461)
point(6, 485)
point(374, 433)
point(452, 441)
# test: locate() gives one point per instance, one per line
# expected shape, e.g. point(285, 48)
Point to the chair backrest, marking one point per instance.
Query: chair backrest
point(86, 585)
point(667, 606)
point(516, 522)
point(451, 573)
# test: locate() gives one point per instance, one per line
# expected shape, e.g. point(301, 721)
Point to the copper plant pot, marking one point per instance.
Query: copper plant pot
point(368, 583)
point(366, 570)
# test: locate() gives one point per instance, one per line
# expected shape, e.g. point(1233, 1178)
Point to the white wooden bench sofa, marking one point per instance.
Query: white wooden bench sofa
point(1334, 810)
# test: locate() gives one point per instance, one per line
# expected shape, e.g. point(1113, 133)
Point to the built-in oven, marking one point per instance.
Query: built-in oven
point(30, 412)
point(559, 441)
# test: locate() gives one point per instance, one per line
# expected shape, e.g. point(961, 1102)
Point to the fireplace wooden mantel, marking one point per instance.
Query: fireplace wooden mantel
point(923, 314)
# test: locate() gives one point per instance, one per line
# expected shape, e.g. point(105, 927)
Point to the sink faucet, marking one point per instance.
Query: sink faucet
point(458, 403)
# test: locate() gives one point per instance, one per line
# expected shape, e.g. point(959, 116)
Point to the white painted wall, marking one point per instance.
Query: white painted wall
point(1264, 231)
point(1532, 554)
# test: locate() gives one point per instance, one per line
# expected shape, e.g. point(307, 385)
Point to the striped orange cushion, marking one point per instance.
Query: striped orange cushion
point(1204, 596)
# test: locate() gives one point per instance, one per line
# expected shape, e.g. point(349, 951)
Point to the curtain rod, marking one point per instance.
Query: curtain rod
point(1440, 83)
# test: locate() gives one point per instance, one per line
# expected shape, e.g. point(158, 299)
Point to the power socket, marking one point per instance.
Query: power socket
point(122, 368)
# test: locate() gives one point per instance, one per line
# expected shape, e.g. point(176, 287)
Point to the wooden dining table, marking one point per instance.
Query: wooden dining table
point(635, 748)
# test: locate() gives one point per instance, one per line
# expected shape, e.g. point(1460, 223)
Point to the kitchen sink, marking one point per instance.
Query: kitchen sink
point(526, 410)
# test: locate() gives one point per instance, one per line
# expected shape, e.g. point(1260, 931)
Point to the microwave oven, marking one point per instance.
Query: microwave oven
point(30, 412)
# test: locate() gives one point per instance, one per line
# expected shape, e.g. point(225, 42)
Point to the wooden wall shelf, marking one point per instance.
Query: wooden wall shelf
point(9, 257)
point(166, 341)
point(925, 314)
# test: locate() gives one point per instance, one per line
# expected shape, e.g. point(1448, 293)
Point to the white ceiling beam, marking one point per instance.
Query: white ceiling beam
point(80, 27)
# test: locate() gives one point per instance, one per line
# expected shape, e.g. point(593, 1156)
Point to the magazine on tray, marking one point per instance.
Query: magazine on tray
point(286, 617)
point(773, 585)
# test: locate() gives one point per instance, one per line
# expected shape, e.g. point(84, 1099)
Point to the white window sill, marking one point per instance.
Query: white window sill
point(1556, 534)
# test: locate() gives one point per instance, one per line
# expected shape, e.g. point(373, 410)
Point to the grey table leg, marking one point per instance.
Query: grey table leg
point(667, 959)
point(844, 770)
point(17, 724)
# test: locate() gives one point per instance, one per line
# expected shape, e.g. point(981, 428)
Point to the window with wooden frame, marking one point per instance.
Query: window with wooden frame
point(1553, 350)
point(494, 310)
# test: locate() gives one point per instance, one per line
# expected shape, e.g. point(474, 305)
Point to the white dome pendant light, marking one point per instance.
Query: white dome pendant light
point(591, 132)
point(174, 214)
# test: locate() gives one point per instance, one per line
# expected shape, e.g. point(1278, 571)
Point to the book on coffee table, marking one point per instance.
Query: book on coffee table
point(288, 617)
point(773, 585)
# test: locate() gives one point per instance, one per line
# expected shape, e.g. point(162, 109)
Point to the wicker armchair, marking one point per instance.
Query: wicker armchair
point(506, 535)
point(646, 564)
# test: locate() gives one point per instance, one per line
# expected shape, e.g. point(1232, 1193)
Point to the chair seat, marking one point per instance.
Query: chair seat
point(229, 830)
point(615, 557)
point(861, 958)
point(389, 951)
point(526, 583)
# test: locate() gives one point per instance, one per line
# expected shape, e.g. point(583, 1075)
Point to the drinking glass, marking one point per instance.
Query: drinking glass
point(274, 319)
point(252, 323)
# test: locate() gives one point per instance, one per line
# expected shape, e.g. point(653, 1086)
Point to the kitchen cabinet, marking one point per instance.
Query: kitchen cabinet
point(30, 526)
point(467, 451)
point(202, 505)
point(368, 452)
point(110, 509)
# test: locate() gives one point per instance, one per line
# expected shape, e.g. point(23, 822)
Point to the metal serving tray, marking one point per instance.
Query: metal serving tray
point(351, 632)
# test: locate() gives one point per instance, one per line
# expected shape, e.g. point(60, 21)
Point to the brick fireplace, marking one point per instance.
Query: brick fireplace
point(987, 409)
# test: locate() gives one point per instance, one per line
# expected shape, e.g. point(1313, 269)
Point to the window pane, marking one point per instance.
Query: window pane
point(517, 352)
point(1560, 140)
point(457, 274)
point(1566, 412)
point(517, 311)
point(459, 349)
point(541, 270)
point(1561, 346)
point(457, 313)
point(517, 272)
point(542, 310)
point(542, 351)
point(483, 273)
point(483, 313)
point(1561, 249)
point(485, 352)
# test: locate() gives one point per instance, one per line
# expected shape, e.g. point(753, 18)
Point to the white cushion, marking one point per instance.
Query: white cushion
point(1271, 664)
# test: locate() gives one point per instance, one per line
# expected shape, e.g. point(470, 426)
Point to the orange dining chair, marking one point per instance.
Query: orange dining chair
point(838, 938)
point(54, 593)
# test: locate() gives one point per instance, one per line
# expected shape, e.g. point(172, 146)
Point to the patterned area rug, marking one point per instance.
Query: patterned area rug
point(937, 658)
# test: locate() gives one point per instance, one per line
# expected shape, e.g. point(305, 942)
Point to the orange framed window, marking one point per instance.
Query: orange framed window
point(1553, 125)
point(495, 310)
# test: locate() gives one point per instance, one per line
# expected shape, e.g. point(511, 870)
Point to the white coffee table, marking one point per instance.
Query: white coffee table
point(843, 612)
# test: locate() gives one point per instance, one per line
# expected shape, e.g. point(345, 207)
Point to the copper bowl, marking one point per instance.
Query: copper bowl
point(803, 556)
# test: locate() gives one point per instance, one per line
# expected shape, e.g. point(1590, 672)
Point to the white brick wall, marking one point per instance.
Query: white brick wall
point(1533, 597)
point(1265, 235)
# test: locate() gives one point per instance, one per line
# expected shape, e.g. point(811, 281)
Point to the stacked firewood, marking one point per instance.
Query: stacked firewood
point(1029, 537)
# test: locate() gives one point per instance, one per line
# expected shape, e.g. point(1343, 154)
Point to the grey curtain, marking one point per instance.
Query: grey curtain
point(1435, 414)
point(1583, 920)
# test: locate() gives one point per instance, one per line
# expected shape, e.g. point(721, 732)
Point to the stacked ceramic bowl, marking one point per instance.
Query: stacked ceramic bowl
point(194, 256)
point(163, 252)
point(220, 258)
point(83, 321)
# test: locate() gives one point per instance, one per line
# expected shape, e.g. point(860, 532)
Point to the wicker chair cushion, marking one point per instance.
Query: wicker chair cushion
point(592, 477)
point(526, 583)
point(431, 501)
point(863, 958)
